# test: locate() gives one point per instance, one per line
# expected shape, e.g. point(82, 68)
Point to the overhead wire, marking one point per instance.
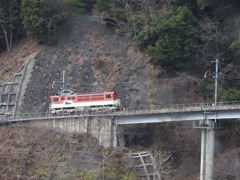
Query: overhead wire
point(220, 69)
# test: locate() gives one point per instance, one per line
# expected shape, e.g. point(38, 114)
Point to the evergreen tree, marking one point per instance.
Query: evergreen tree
point(172, 35)
point(77, 5)
point(40, 19)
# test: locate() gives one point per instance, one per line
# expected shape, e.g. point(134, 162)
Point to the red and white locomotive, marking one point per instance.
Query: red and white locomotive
point(95, 102)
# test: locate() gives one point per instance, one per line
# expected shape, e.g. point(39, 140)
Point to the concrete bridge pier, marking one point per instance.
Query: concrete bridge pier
point(203, 155)
point(120, 136)
point(207, 149)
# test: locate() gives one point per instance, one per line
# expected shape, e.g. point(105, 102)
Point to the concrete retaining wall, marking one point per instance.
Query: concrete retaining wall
point(101, 128)
point(12, 92)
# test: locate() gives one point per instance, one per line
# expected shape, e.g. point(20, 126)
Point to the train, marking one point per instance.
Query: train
point(66, 104)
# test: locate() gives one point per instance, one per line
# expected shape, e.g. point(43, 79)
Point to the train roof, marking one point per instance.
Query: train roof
point(112, 92)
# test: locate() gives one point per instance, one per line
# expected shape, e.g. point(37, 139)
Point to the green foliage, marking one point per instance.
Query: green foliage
point(174, 32)
point(231, 94)
point(140, 30)
point(167, 38)
point(58, 158)
point(181, 30)
point(113, 173)
point(103, 5)
point(235, 47)
point(117, 168)
point(203, 3)
point(77, 5)
point(42, 170)
point(207, 89)
point(207, 53)
point(192, 5)
point(40, 19)
point(80, 175)
point(86, 175)
point(112, 8)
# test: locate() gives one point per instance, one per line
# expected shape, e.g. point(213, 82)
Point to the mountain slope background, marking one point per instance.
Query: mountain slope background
point(101, 58)
point(97, 59)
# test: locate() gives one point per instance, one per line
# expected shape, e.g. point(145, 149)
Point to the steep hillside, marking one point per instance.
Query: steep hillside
point(96, 59)
point(10, 62)
point(36, 153)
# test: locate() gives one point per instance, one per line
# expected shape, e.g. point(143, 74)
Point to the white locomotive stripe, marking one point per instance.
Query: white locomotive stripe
point(68, 104)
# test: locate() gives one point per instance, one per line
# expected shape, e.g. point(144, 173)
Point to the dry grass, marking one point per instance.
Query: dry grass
point(10, 62)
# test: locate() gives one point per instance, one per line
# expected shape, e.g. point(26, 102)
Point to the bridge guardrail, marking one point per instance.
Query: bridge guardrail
point(133, 111)
point(180, 108)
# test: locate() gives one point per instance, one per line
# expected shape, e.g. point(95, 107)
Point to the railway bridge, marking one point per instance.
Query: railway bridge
point(106, 126)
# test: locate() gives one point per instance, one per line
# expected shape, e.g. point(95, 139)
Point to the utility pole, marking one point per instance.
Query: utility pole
point(64, 90)
point(210, 134)
point(216, 83)
point(207, 127)
point(63, 80)
point(62, 84)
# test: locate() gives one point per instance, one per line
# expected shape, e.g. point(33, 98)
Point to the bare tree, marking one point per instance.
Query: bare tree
point(6, 21)
point(227, 165)
point(145, 9)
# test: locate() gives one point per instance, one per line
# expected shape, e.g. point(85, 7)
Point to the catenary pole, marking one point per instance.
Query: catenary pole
point(208, 137)
point(216, 83)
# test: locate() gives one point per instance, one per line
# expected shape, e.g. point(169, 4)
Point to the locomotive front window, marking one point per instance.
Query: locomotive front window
point(73, 97)
point(108, 96)
point(69, 98)
point(62, 98)
point(55, 99)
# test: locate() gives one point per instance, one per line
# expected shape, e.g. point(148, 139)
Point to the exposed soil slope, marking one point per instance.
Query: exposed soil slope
point(10, 62)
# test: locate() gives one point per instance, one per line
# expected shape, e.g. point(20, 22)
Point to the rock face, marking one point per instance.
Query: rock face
point(96, 59)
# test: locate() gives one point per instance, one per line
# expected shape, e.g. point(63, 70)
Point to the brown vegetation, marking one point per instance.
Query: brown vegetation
point(37, 153)
point(11, 61)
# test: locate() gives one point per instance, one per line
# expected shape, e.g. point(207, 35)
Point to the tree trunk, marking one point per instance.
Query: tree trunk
point(6, 36)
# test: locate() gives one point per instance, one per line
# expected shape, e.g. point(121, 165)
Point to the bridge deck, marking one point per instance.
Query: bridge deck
point(179, 108)
point(178, 112)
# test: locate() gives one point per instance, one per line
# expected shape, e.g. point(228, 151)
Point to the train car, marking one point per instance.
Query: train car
point(94, 102)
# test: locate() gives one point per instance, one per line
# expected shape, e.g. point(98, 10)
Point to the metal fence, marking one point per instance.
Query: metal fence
point(180, 108)
point(125, 111)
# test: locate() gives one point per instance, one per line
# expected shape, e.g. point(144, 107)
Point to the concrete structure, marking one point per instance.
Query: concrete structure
point(101, 128)
point(13, 90)
point(107, 127)
point(177, 116)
